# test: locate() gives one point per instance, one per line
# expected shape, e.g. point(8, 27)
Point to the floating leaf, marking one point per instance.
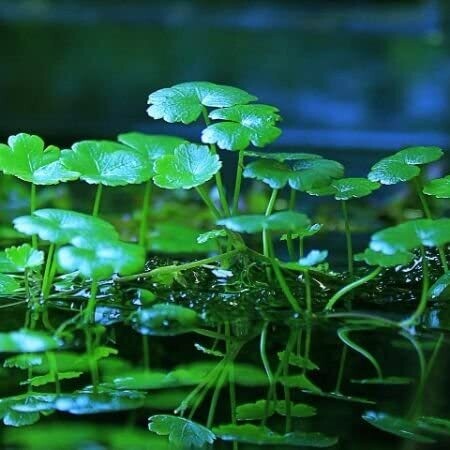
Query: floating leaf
point(244, 124)
point(25, 257)
point(182, 433)
point(8, 285)
point(440, 287)
point(410, 235)
point(298, 361)
point(25, 158)
point(439, 188)
point(373, 258)
point(397, 425)
point(347, 188)
point(402, 166)
point(185, 102)
point(313, 258)
point(164, 320)
point(100, 260)
point(107, 163)
point(27, 341)
point(190, 165)
point(153, 146)
point(281, 156)
point(260, 435)
point(60, 226)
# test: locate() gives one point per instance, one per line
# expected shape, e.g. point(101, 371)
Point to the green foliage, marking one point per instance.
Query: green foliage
point(27, 341)
point(313, 258)
point(25, 257)
point(440, 288)
point(260, 409)
point(107, 163)
point(439, 188)
point(373, 258)
point(42, 380)
point(26, 158)
point(190, 165)
point(347, 188)
point(281, 156)
point(298, 361)
point(185, 102)
point(402, 166)
point(23, 410)
point(300, 382)
point(8, 285)
point(183, 433)
point(61, 226)
point(244, 124)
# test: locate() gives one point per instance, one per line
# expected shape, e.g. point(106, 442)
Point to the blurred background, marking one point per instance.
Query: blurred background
point(359, 77)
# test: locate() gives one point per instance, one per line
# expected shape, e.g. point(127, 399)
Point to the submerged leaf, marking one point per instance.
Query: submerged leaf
point(26, 158)
point(244, 124)
point(190, 165)
point(183, 433)
point(185, 102)
point(107, 162)
point(439, 188)
point(25, 257)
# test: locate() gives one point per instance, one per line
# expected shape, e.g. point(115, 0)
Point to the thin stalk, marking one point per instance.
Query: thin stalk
point(53, 369)
point(179, 267)
point(34, 241)
point(287, 399)
point(218, 176)
point(215, 397)
point(340, 375)
point(284, 287)
point(428, 215)
point(292, 199)
point(263, 352)
point(90, 308)
point(307, 344)
point(238, 182)
point(143, 227)
point(348, 238)
point(290, 247)
point(301, 250)
point(51, 273)
point(308, 291)
point(145, 352)
point(205, 197)
point(93, 366)
point(231, 375)
point(98, 199)
point(265, 233)
point(48, 263)
point(424, 296)
point(350, 287)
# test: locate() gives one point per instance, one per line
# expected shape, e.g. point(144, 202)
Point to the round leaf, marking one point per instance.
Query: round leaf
point(26, 158)
point(107, 163)
point(185, 102)
point(373, 258)
point(246, 223)
point(27, 341)
point(441, 287)
point(313, 173)
point(25, 257)
point(61, 227)
point(439, 188)
point(287, 221)
point(347, 188)
point(313, 258)
point(274, 173)
point(8, 285)
point(191, 165)
point(244, 124)
point(281, 156)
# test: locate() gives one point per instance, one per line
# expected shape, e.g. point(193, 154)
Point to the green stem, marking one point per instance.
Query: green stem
point(48, 264)
point(265, 233)
point(143, 227)
point(289, 241)
point(287, 399)
point(284, 286)
point(215, 397)
point(340, 375)
point(53, 369)
point(98, 198)
point(90, 308)
point(52, 273)
point(93, 366)
point(424, 296)
point(34, 241)
point(348, 238)
point(145, 352)
point(231, 375)
point(350, 287)
point(292, 199)
point(238, 182)
point(308, 292)
point(205, 197)
point(301, 250)
point(263, 352)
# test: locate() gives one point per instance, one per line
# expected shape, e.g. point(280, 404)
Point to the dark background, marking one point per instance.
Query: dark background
point(348, 76)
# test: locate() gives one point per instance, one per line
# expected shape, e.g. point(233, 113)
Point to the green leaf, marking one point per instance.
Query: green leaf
point(281, 156)
point(257, 410)
point(27, 341)
point(185, 102)
point(24, 361)
point(314, 173)
point(6, 266)
point(107, 162)
point(244, 124)
point(153, 146)
point(25, 257)
point(435, 425)
point(50, 378)
point(246, 223)
point(61, 227)
point(190, 165)
point(389, 381)
point(410, 235)
point(310, 231)
point(439, 188)
point(402, 166)
point(298, 361)
point(276, 174)
point(347, 188)
point(210, 235)
point(397, 425)
point(26, 158)
point(182, 433)
point(297, 410)
point(440, 288)
point(260, 435)
point(8, 285)
point(373, 258)
point(164, 320)
point(100, 260)
point(300, 382)
point(313, 258)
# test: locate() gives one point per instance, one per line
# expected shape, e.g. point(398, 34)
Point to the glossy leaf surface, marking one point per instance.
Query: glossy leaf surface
point(439, 188)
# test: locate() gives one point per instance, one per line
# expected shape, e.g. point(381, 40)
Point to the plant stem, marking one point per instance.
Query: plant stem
point(143, 228)
point(205, 197)
point(34, 241)
point(179, 267)
point(287, 399)
point(424, 296)
point(348, 238)
point(238, 182)
point(284, 286)
point(53, 369)
point(266, 233)
point(218, 176)
point(98, 198)
point(340, 375)
point(93, 366)
point(289, 242)
point(308, 292)
point(48, 264)
point(263, 353)
point(90, 308)
point(231, 377)
point(301, 250)
point(350, 287)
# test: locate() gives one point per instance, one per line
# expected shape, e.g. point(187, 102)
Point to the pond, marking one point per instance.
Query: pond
point(180, 310)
